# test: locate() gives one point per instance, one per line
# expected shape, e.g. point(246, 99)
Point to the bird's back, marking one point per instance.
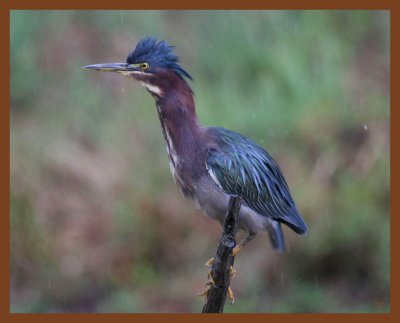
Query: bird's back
point(239, 166)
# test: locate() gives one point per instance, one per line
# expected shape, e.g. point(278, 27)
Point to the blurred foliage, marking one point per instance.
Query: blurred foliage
point(97, 224)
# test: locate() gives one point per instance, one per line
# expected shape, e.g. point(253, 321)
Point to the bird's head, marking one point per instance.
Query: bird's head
point(152, 62)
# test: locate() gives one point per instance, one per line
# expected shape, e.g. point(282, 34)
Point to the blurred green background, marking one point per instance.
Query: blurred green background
point(97, 224)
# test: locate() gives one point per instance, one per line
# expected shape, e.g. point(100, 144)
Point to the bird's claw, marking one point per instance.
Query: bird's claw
point(209, 283)
point(232, 272)
point(231, 296)
point(210, 262)
point(236, 250)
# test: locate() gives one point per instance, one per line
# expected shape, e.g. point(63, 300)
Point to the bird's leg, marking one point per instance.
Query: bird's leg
point(242, 243)
point(235, 251)
point(232, 271)
point(211, 282)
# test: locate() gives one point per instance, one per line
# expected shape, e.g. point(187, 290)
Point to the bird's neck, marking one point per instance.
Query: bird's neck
point(179, 122)
point(181, 130)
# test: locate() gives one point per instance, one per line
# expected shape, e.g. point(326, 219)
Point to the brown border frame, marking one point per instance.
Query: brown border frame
point(7, 5)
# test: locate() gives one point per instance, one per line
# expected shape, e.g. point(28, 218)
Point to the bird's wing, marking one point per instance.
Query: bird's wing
point(241, 167)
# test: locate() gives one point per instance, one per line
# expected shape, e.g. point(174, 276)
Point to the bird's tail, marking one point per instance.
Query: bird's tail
point(276, 236)
point(295, 221)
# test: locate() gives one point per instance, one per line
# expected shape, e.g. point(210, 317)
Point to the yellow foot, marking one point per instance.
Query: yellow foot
point(236, 250)
point(231, 296)
point(204, 294)
point(210, 262)
point(232, 272)
point(209, 283)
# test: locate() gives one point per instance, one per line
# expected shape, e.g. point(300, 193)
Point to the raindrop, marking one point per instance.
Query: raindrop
point(254, 115)
point(123, 90)
point(365, 127)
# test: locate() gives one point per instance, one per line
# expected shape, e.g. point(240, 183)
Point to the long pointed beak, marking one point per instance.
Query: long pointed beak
point(112, 67)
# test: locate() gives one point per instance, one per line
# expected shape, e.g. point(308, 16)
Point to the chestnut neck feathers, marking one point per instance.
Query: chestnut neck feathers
point(179, 124)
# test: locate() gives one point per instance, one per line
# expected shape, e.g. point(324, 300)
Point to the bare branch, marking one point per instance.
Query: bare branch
point(223, 260)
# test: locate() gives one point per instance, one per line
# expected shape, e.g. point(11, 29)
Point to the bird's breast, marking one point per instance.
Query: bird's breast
point(213, 201)
point(178, 166)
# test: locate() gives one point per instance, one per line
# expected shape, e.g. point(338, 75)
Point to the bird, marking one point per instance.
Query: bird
point(211, 164)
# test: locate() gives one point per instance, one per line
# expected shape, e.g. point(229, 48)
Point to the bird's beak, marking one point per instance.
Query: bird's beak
point(113, 67)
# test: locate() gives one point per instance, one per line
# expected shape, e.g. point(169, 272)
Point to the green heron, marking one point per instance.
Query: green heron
point(210, 164)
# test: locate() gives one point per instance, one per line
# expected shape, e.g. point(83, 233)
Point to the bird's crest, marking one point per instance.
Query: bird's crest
point(156, 53)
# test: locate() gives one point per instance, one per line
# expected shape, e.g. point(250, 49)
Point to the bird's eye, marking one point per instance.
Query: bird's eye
point(144, 66)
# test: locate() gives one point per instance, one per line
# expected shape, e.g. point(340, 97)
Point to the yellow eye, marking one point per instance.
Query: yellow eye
point(144, 66)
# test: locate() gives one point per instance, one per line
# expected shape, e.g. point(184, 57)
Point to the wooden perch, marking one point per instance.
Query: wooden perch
point(223, 261)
